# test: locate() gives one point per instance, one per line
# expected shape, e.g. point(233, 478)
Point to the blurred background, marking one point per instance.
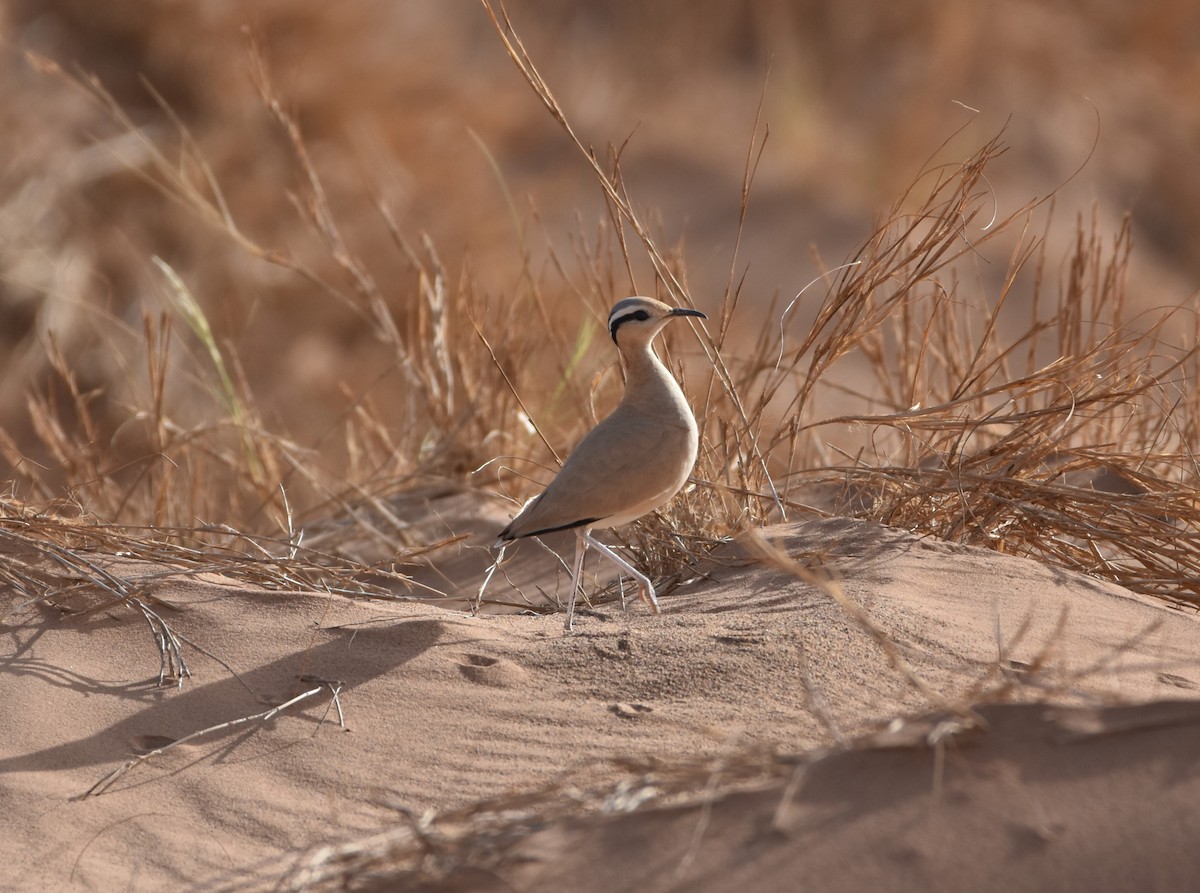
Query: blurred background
point(416, 106)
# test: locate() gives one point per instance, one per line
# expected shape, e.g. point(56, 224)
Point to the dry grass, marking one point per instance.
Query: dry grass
point(1066, 437)
point(1070, 441)
point(983, 390)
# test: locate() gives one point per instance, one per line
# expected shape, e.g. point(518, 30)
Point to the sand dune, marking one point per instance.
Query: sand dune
point(444, 710)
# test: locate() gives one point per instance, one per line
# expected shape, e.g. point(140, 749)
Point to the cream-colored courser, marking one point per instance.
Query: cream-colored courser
point(629, 464)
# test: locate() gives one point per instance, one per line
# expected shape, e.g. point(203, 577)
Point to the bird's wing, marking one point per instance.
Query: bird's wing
point(621, 463)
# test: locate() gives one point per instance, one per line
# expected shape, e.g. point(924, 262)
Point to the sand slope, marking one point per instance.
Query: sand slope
point(1054, 799)
point(443, 709)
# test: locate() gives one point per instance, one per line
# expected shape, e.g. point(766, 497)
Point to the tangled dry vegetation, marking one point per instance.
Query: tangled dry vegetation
point(1063, 431)
point(952, 377)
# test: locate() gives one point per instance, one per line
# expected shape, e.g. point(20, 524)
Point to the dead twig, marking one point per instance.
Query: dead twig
point(262, 718)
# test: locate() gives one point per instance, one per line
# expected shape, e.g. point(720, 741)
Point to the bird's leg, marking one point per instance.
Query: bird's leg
point(581, 545)
point(645, 587)
point(487, 579)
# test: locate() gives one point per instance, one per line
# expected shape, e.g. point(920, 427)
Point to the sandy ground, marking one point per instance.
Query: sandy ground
point(1057, 788)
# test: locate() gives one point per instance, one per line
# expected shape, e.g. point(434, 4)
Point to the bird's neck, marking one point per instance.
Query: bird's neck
point(648, 381)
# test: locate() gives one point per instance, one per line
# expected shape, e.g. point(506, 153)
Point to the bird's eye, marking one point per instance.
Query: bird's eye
point(639, 315)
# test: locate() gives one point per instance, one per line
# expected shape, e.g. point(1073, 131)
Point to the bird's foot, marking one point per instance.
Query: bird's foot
point(646, 593)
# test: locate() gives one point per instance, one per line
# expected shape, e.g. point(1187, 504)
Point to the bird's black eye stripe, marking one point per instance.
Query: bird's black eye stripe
point(639, 315)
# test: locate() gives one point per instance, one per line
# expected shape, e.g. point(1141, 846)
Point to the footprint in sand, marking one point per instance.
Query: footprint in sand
point(1177, 681)
point(630, 711)
point(142, 744)
point(494, 671)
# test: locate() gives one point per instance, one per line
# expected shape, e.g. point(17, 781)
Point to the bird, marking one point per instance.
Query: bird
point(629, 464)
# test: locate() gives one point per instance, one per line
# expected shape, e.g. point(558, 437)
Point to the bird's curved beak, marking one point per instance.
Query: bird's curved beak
point(687, 311)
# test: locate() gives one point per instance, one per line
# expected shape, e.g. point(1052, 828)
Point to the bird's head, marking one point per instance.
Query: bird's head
point(637, 320)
